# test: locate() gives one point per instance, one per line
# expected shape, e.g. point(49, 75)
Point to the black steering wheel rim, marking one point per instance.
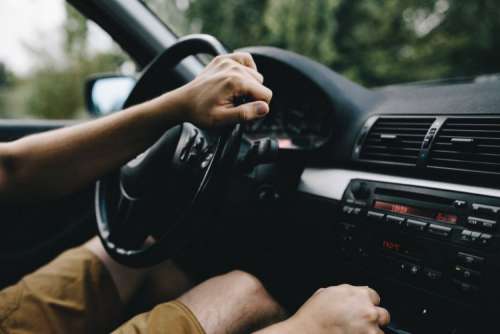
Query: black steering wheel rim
point(222, 153)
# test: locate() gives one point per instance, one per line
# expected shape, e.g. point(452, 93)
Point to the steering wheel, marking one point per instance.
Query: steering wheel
point(151, 207)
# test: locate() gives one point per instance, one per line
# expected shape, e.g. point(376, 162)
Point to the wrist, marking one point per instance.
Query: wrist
point(170, 107)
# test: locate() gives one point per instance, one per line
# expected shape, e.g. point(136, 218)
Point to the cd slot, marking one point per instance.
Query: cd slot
point(414, 196)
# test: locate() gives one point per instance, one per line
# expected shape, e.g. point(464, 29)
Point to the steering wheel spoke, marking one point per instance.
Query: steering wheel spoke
point(126, 229)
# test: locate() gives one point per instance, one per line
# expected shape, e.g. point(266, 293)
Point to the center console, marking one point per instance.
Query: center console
point(439, 242)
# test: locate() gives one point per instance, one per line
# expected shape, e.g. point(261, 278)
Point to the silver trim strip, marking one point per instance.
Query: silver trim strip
point(331, 183)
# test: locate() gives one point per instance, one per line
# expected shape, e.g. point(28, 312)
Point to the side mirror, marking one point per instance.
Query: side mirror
point(105, 94)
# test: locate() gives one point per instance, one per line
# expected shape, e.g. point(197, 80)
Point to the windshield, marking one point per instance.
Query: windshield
point(372, 42)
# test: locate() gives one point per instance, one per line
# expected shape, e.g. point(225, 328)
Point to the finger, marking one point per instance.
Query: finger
point(256, 75)
point(384, 318)
point(373, 295)
point(256, 91)
point(244, 113)
point(238, 66)
point(244, 58)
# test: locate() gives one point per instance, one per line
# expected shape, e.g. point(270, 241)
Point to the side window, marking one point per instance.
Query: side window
point(48, 50)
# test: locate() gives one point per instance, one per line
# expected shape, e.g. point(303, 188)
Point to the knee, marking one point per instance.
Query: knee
point(260, 308)
point(248, 290)
point(246, 285)
point(240, 301)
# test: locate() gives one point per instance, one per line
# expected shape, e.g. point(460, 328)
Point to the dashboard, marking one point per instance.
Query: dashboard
point(300, 114)
point(406, 178)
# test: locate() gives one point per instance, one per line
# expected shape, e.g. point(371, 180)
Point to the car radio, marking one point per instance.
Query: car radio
point(442, 241)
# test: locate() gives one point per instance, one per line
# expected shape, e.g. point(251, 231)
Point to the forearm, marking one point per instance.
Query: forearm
point(58, 162)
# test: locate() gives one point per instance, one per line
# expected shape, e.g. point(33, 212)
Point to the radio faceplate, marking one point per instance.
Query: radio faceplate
point(441, 241)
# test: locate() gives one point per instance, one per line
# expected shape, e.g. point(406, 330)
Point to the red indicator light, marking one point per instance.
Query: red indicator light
point(390, 245)
point(446, 218)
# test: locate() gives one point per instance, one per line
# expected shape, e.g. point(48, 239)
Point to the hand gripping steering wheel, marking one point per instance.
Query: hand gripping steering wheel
point(151, 207)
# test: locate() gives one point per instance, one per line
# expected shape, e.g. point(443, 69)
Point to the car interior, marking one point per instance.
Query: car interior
point(395, 187)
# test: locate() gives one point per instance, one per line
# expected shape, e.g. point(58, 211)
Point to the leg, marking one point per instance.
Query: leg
point(163, 283)
point(232, 303)
point(72, 294)
point(126, 280)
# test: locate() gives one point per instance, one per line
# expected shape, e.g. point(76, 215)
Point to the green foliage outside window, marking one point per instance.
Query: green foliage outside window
point(374, 42)
point(54, 90)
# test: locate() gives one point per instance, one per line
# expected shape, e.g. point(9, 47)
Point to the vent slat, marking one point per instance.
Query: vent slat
point(481, 137)
point(405, 124)
point(399, 133)
point(471, 132)
point(480, 149)
point(398, 129)
point(480, 157)
point(469, 162)
point(480, 154)
point(403, 142)
point(396, 139)
point(385, 148)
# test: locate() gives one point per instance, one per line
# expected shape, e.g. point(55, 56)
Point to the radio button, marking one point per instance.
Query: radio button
point(375, 216)
point(394, 220)
point(409, 269)
point(347, 209)
point(414, 269)
point(470, 260)
point(474, 222)
point(466, 235)
point(467, 274)
point(489, 224)
point(480, 222)
point(439, 230)
point(416, 225)
point(432, 275)
point(488, 210)
point(356, 211)
point(474, 236)
point(485, 239)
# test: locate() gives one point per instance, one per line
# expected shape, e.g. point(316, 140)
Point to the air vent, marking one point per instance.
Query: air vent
point(396, 139)
point(467, 144)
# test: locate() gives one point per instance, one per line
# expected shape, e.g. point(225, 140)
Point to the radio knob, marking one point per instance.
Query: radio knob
point(360, 190)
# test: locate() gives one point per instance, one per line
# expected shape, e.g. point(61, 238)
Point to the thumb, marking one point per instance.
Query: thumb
point(245, 112)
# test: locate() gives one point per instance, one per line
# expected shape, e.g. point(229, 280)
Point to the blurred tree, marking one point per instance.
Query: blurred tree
point(7, 80)
point(3, 74)
point(57, 93)
point(56, 89)
point(375, 42)
point(75, 30)
point(3, 83)
point(304, 26)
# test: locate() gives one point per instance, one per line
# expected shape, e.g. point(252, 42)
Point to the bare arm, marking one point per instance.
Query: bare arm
point(59, 162)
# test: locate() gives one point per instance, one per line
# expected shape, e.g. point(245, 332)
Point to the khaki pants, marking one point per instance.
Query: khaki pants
point(75, 294)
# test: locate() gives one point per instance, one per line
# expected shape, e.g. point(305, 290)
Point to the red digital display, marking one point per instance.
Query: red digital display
point(414, 211)
point(391, 245)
